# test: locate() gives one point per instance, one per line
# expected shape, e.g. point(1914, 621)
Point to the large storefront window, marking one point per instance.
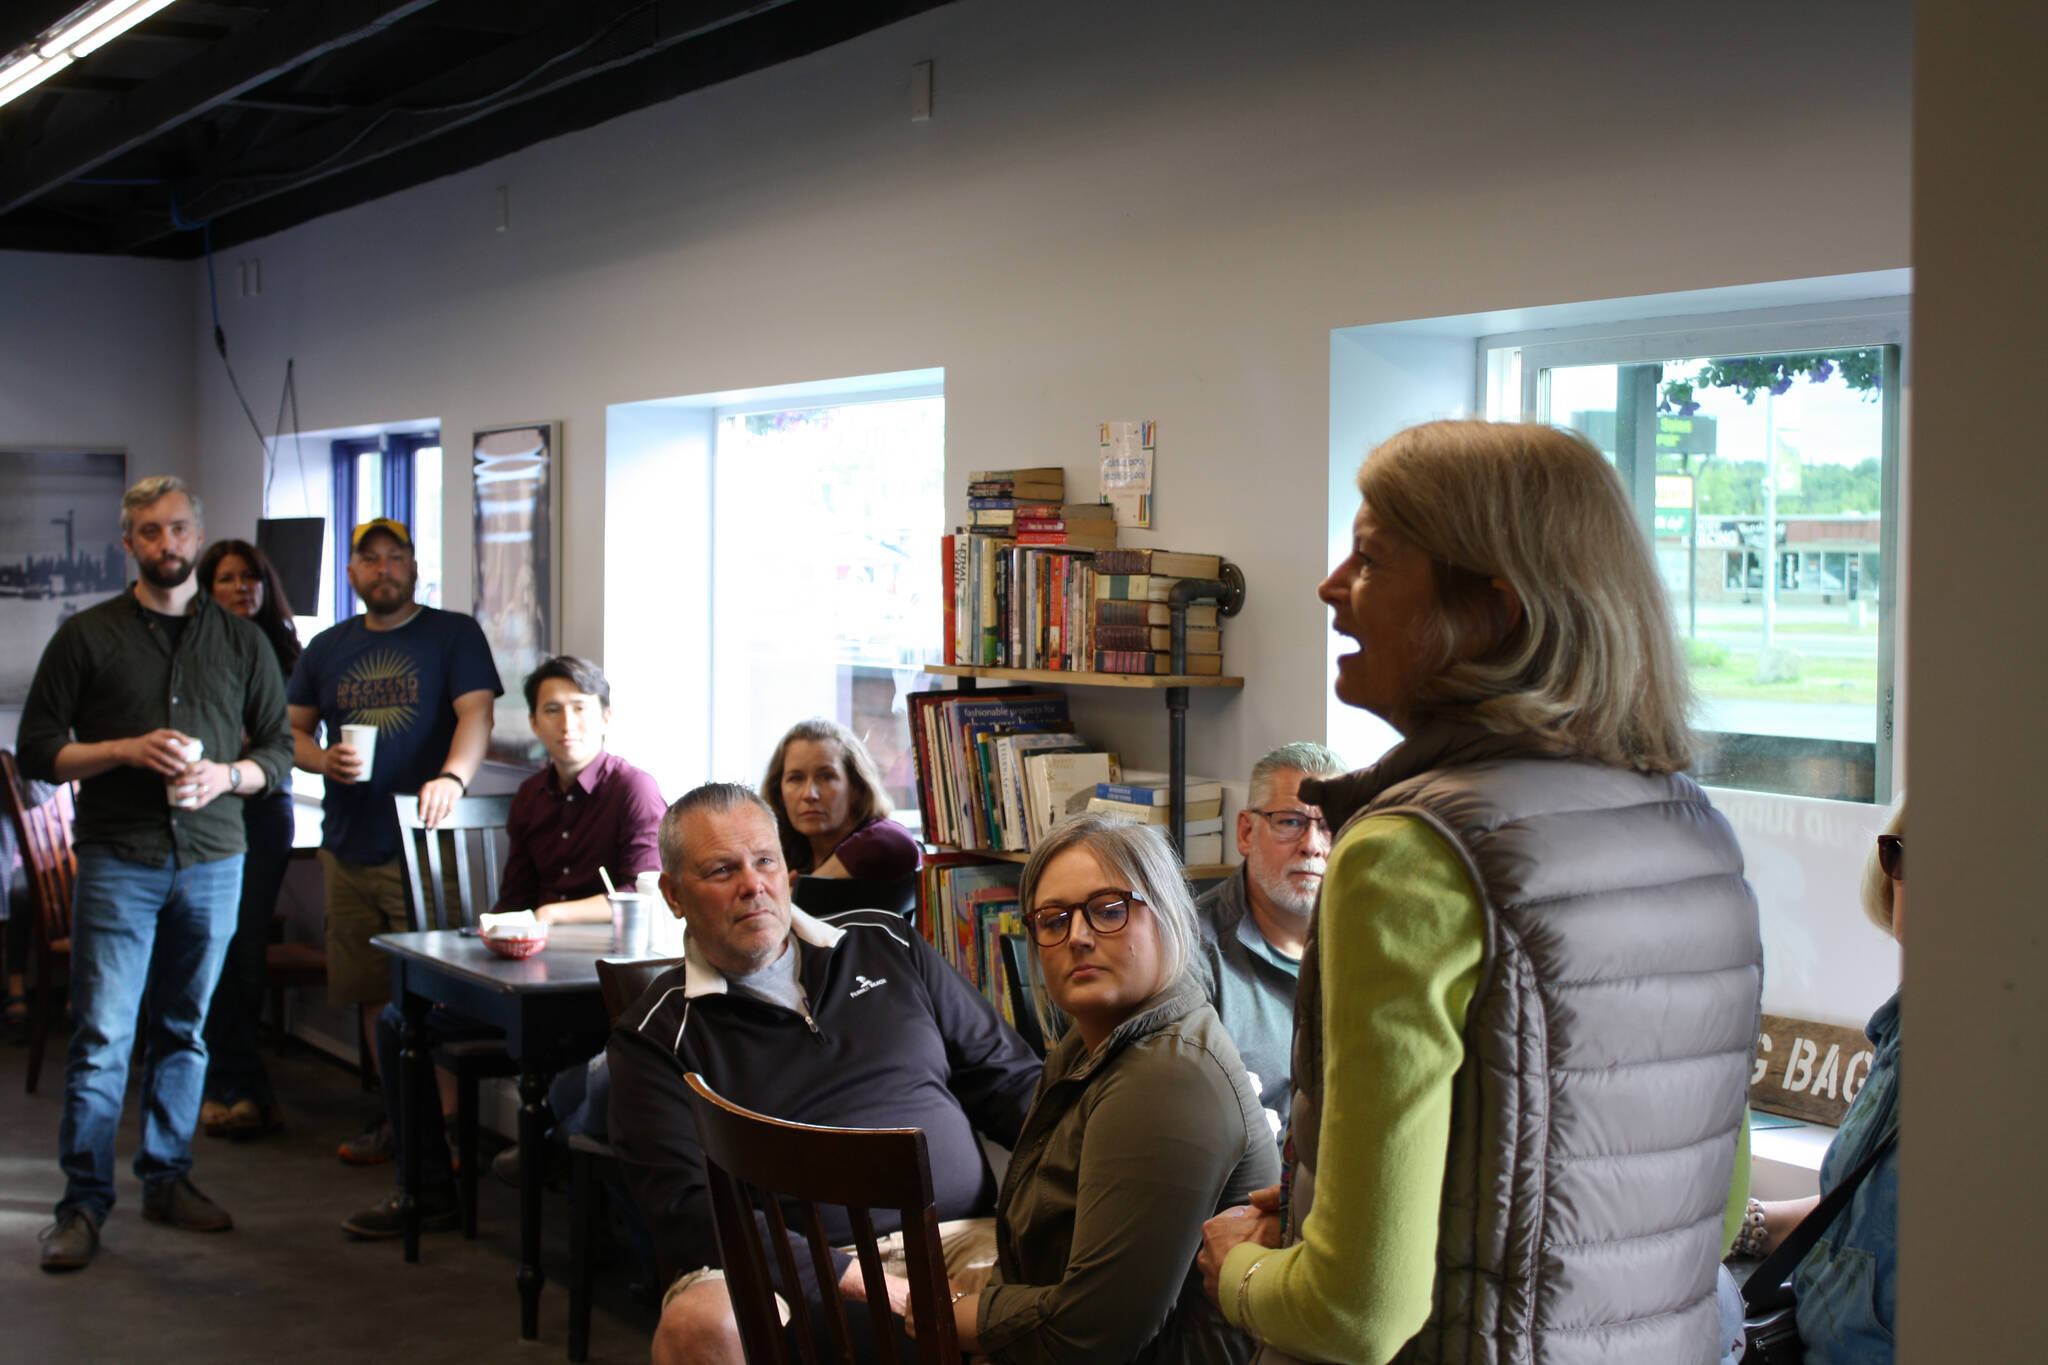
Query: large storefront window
point(1765, 480)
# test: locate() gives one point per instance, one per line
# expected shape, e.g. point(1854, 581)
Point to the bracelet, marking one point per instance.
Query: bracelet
point(1244, 1312)
point(958, 1295)
point(1750, 1241)
point(452, 778)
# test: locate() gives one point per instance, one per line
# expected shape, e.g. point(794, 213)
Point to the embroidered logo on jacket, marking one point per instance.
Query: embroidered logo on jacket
point(866, 985)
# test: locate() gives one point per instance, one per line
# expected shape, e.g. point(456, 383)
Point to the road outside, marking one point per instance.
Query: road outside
point(1835, 696)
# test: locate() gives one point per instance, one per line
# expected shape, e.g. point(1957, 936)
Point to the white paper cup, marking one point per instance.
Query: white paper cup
point(177, 791)
point(363, 738)
point(632, 923)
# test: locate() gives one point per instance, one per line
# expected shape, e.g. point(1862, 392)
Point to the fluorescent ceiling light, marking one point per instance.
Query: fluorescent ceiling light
point(28, 73)
point(84, 30)
point(126, 14)
point(81, 22)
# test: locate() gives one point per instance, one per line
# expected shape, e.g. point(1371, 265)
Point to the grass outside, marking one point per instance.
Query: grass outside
point(1823, 679)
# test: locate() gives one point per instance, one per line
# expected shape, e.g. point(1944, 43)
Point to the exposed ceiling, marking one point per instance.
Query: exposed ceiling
point(248, 116)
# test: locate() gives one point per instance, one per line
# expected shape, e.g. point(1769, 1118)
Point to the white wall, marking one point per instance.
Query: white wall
point(1109, 216)
point(98, 355)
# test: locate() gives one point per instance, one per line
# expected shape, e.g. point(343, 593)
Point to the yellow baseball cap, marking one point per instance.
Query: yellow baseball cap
point(394, 529)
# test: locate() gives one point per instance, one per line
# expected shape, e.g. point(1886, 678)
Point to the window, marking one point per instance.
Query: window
point(395, 475)
point(1763, 465)
point(825, 525)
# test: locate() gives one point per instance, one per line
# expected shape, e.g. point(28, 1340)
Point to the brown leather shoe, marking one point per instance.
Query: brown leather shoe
point(213, 1118)
point(247, 1119)
point(71, 1242)
point(182, 1206)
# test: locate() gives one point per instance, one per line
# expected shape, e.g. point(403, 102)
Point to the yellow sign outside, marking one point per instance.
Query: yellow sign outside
point(1674, 490)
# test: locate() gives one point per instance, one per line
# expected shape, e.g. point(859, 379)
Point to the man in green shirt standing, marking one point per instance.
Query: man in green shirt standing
point(157, 703)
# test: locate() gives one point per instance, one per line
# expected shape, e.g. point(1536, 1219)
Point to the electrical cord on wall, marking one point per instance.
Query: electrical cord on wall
point(220, 344)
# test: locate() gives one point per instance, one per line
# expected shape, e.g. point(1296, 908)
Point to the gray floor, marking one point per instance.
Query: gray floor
point(286, 1283)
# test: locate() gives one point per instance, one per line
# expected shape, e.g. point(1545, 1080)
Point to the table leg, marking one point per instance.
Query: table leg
point(533, 1090)
point(414, 1080)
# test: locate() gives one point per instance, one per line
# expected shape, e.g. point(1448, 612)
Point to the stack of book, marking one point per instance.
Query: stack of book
point(993, 495)
point(1083, 525)
point(996, 769)
point(1007, 604)
point(1146, 798)
point(1132, 623)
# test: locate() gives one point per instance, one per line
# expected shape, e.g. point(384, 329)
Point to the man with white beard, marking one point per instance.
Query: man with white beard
point(1255, 922)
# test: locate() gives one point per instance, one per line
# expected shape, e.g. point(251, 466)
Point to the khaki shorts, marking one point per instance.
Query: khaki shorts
point(968, 1244)
point(364, 900)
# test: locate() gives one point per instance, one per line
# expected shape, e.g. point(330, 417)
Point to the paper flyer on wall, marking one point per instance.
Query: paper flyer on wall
point(1129, 453)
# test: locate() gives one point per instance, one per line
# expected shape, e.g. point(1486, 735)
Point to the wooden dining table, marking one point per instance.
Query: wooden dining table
point(552, 1014)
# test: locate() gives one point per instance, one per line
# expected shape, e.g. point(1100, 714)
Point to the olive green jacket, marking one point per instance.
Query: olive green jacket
point(1123, 1156)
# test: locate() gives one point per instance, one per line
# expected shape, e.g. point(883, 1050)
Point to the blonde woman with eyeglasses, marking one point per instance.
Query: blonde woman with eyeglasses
point(1144, 1123)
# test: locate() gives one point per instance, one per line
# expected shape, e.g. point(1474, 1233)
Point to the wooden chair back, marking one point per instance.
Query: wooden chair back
point(623, 981)
point(43, 831)
point(785, 1168)
point(473, 836)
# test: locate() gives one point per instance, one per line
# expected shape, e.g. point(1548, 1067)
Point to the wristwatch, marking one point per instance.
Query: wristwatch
point(234, 778)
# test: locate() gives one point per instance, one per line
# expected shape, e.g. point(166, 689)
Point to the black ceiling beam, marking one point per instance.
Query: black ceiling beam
point(281, 40)
point(603, 34)
point(764, 40)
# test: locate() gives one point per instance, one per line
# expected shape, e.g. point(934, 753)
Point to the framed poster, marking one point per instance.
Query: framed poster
point(60, 549)
point(518, 506)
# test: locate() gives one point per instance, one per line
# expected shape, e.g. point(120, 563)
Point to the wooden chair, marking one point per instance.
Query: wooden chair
point(751, 1159)
point(472, 844)
point(44, 832)
point(591, 1159)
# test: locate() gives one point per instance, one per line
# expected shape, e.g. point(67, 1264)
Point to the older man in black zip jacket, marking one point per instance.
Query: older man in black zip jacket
point(851, 1022)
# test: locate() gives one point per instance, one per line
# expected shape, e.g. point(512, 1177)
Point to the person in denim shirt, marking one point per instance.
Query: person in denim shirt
point(1848, 1283)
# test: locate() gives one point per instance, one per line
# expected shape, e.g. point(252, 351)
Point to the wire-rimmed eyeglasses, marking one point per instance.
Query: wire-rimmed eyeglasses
point(1289, 825)
point(1107, 912)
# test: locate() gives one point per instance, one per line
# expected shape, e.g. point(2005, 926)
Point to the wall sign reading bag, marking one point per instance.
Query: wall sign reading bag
point(1806, 1070)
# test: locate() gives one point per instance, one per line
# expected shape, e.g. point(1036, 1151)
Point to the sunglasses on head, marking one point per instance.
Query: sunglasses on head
point(1891, 855)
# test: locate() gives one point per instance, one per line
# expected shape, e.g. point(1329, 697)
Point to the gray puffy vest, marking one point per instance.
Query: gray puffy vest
point(1607, 1053)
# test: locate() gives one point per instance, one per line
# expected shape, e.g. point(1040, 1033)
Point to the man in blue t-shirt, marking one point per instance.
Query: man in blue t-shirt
point(425, 679)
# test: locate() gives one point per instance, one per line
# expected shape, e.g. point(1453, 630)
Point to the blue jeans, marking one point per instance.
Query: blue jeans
point(147, 939)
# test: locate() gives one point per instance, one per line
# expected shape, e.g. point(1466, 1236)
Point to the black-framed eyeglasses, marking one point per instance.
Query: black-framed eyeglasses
point(1891, 855)
point(1290, 825)
point(1107, 913)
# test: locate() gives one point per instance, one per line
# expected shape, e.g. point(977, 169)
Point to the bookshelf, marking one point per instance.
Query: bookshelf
point(1082, 677)
point(980, 922)
point(1175, 687)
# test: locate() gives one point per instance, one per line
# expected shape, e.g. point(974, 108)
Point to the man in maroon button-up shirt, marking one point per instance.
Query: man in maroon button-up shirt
point(586, 810)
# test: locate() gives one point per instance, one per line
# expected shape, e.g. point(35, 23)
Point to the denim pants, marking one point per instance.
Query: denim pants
point(149, 940)
point(234, 1049)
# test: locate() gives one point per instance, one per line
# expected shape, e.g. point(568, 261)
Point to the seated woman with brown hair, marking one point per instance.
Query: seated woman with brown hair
point(830, 807)
point(1144, 1123)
